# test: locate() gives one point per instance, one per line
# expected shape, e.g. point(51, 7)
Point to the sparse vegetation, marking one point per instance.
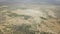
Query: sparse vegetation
point(43, 18)
point(13, 25)
point(16, 15)
point(45, 33)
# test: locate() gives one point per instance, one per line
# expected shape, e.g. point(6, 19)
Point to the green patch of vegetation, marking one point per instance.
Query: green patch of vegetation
point(45, 33)
point(16, 15)
point(50, 16)
point(13, 15)
point(26, 17)
point(43, 18)
point(23, 29)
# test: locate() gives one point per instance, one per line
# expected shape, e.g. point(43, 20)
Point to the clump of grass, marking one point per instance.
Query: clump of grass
point(45, 33)
point(43, 18)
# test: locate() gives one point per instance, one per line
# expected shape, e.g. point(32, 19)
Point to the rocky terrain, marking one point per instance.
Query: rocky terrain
point(29, 20)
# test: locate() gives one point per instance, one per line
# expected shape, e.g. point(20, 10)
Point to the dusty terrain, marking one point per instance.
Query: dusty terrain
point(40, 20)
